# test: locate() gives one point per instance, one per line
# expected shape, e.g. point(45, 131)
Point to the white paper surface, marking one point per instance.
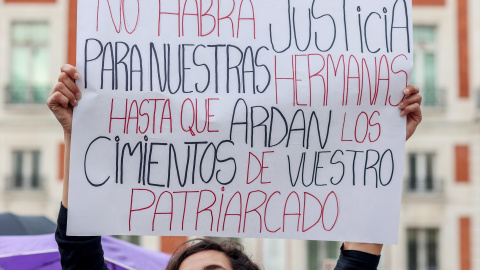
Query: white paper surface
point(227, 142)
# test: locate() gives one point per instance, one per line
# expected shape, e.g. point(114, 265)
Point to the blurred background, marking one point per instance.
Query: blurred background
point(440, 218)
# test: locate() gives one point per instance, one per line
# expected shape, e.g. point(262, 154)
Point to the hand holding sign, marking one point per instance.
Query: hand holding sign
point(262, 133)
point(414, 117)
point(65, 96)
point(410, 107)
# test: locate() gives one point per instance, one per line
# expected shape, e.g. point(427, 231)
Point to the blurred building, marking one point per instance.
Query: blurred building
point(32, 46)
point(440, 219)
point(439, 226)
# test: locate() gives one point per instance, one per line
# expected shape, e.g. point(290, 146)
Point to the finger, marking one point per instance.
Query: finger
point(412, 108)
point(411, 90)
point(61, 88)
point(416, 98)
point(70, 71)
point(70, 84)
point(57, 99)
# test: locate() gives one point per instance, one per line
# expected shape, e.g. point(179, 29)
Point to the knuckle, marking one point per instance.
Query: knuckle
point(75, 89)
point(56, 96)
point(413, 88)
point(51, 100)
point(66, 68)
point(409, 100)
point(59, 86)
point(64, 100)
point(63, 77)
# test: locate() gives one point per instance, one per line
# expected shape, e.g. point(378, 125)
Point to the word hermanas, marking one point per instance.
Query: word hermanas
point(360, 82)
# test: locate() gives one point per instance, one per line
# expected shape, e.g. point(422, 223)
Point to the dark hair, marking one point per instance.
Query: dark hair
point(234, 252)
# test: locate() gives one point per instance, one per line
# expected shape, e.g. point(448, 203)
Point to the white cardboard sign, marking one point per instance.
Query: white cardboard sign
point(240, 118)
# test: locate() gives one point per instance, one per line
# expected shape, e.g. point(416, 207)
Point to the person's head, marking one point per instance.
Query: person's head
point(204, 254)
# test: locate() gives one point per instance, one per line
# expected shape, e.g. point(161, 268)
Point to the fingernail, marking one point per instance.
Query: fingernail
point(401, 105)
point(78, 96)
point(402, 113)
point(75, 103)
point(76, 76)
point(406, 91)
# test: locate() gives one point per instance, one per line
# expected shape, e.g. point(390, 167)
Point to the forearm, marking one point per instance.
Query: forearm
point(356, 259)
point(374, 249)
point(78, 252)
point(353, 253)
point(66, 163)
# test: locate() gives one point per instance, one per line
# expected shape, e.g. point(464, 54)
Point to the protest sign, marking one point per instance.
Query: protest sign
point(240, 118)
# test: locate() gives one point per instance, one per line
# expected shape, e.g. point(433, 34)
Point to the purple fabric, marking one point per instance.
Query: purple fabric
point(16, 253)
point(44, 261)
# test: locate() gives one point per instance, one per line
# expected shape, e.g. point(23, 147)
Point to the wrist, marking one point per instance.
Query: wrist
point(67, 134)
point(375, 249)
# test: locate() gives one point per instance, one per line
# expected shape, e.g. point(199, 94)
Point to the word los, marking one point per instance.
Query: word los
point(357, 128)
point(252, 211)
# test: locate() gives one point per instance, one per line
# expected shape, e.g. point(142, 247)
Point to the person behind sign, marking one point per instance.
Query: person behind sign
point(86, 252)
